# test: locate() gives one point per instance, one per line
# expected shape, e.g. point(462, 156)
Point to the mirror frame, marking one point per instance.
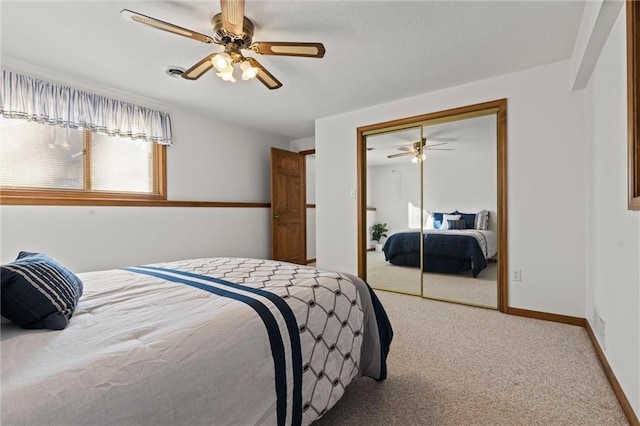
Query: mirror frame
point(500, 108)
point(633, 103)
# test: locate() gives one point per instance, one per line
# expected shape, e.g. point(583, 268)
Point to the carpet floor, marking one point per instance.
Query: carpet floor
point(460, 287)
point(453, 364)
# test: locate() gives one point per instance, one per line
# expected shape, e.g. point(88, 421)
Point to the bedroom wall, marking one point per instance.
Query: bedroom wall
point(613, 232)
point(392, 188)
point(546, 174)
point(209, 161)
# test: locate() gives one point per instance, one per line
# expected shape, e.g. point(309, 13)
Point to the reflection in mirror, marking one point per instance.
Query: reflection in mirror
point(393, 187)
point(460, 197)
point(310, 160)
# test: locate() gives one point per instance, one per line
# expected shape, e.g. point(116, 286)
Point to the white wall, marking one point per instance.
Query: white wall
point(389, 199)
point(215, 161)
point(613, 232)
point(546, 175)
point(96, 238)
point(209, 161)
point(466, 181)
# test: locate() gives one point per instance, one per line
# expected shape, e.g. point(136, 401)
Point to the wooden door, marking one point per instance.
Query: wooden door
point(288, 207)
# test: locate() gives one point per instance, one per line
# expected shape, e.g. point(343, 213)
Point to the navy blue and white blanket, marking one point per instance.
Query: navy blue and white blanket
point(444, 251)
point(200, 341)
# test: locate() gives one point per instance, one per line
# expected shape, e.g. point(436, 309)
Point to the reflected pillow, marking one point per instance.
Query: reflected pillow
point(469, 219)
point(438, 219)
point(38, 292)
point(429, 224)
point(482, 220)
point(457, 224)
point(446, 218)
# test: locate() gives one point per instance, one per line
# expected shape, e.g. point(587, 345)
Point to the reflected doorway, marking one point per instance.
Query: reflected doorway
point(310, 167)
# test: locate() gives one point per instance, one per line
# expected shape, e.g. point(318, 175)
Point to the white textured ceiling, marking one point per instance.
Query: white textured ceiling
point(377, 51)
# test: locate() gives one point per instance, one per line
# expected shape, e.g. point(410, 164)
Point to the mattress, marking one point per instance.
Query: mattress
point(200, 341)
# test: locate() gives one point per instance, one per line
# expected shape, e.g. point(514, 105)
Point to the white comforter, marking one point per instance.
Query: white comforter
point(146, 350)
point(486, 239)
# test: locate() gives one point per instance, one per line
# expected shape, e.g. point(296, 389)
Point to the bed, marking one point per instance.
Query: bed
point(445, 251)
point(199, 341)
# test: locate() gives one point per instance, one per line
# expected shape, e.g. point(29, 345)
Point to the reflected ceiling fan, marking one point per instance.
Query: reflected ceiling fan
point(233, 31)
point(414, 149)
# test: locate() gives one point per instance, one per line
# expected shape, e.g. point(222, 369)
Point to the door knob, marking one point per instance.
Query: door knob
point(275, 216)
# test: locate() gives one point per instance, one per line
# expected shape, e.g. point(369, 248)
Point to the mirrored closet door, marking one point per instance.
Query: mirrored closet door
point(393, 208)
point(432, 203)
point(459, 192)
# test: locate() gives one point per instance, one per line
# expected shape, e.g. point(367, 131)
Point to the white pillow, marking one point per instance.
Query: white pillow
point(429, 224)
point(447, 217)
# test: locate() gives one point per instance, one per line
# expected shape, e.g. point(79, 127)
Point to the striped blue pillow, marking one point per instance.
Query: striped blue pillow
point(457, 224)
point(38, 292)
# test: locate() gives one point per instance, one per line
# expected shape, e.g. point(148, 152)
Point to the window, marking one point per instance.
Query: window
point(40, 163)
point(633, 83)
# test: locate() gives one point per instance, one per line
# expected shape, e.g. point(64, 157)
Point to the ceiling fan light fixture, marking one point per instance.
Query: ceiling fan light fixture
point(248, 71)
point(221, 62)
point(227, 75)
point(418, 158)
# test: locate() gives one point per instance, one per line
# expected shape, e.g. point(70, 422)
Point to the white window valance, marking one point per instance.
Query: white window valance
point(31, 99)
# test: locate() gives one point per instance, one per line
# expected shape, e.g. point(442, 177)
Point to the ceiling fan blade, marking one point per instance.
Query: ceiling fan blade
point(406, 148)
point(402, 154)
point(165, 26)
point(196, 71)
point(265, 76)
point(434, 144)
point(307, 50)
point(440, 149)
point(438, 139)
point(232, 15)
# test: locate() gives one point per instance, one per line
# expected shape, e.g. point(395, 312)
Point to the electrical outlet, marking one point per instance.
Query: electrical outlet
point(517, 275)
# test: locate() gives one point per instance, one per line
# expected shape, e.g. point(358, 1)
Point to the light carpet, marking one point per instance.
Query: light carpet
point(452, 364)
point(461, 287)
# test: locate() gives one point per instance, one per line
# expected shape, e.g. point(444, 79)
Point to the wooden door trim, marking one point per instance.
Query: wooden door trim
point(498, 107)
point(633, 105)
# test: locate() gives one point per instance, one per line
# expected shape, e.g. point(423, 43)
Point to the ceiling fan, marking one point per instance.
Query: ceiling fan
point(414, 149)
point(233, 31)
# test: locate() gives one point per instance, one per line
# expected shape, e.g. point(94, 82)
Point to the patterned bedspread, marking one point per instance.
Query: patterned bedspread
point(200, 341)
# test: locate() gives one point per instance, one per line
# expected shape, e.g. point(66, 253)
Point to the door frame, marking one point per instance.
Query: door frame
point(497, 106)
point(306, 153)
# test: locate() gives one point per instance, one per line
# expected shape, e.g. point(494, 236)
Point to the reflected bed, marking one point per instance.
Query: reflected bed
point(445, 251)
